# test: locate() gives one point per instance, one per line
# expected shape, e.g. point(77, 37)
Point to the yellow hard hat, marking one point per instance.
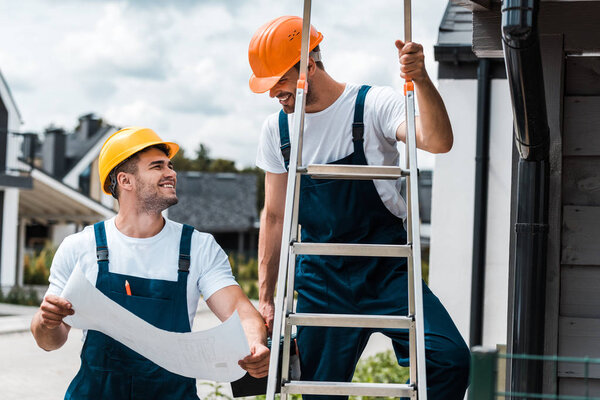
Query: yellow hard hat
point(122, 145)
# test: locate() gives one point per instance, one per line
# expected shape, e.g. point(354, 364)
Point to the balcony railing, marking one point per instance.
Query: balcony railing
point(19, 158)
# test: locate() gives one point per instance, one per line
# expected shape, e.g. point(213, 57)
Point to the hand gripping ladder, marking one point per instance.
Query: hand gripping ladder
point(291, 247)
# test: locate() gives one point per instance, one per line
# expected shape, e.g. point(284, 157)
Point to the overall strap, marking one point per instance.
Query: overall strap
point(284, 138)
point(185, 245)
point(101, 247)
point(358, 128)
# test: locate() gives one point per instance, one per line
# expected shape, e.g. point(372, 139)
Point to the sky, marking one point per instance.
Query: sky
point(181, 67)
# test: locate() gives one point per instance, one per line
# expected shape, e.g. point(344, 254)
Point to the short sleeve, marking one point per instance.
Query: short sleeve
point(388, 106)
point(215, 270)
point(63, 263)
point(268, 156)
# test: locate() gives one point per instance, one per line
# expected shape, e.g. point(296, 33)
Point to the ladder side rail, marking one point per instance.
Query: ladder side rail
point(417, 334)
point(291, 206)
point(414, 227)
point(409, 206)
point(412, 190)
point(281, 281)
point(417, 289)
point(410, 259)
point(287, 328)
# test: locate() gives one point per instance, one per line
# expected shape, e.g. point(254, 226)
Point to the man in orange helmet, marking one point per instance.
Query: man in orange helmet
point(347, 124)
point(154, 267)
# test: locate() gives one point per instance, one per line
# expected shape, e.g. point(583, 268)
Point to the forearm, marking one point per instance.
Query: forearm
point(269, 246)
point(48, 339)
point(434, 131)
point(253, 324)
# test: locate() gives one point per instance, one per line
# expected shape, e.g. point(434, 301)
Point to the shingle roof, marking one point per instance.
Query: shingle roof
point(455, 35)
point(216, 202)
point(457, 26)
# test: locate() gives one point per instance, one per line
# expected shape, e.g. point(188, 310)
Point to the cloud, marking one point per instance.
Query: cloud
point(120, 44)
point(181, 66)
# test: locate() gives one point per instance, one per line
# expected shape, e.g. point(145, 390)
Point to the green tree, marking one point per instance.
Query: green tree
point(203, 160)
point(181, 162)
point(222, 165)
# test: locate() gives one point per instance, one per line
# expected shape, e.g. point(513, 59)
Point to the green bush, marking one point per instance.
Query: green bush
point(216, 392)
point(248, 270)
point(246, 273)
point(380, 368)
point(36, 269)
point(251, 289)
point(22, 296)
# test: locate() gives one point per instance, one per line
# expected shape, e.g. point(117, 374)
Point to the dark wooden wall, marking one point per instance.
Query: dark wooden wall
point(579, 315)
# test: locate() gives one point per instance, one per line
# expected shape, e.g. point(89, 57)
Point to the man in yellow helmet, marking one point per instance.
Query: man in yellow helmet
point(347, 123)
point(154, 267)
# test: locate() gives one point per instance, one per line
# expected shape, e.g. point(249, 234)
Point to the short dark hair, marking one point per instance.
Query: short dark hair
point(129, 165)
point(320, 64)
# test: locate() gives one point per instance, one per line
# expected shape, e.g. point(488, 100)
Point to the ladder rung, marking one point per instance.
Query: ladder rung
point(353, 249)
point(355, 172)
point(348, 388)
point(350, 320)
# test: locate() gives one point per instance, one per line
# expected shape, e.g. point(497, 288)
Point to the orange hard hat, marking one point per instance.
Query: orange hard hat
point(275, 48)
point(122, 145)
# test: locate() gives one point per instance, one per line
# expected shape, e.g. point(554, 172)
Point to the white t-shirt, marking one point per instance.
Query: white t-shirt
point(155, 257)
point(328, 138)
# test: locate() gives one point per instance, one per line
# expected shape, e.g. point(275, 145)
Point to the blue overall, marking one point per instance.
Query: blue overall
point(109, 369)
point(344, 211)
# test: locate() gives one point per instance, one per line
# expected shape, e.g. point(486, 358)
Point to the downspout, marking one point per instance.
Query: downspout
point(524, 71)
point(482, 158)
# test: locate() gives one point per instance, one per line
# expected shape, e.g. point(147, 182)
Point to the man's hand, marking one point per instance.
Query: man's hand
point(47, 325)
point(412, 61)
point(267, 310)
point(433, 129)
point(257, 363)
point(52, 311)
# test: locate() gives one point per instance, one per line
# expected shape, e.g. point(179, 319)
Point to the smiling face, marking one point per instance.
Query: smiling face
point(154, 181)
point(151, 183)
point(285, 89)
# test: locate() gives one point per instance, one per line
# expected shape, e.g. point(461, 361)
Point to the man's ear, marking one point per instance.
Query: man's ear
point(312, 66)
point(125, 181)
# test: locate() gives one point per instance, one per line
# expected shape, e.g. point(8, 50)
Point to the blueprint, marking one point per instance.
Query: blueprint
point(212, 354)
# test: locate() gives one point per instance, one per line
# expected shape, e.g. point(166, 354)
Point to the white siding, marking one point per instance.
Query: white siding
point(495, 308)
point(452, 205)
point(453, 209)
point(10, 220)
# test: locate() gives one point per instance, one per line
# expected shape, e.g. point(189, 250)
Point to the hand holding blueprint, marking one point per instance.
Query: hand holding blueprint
point(212, 354)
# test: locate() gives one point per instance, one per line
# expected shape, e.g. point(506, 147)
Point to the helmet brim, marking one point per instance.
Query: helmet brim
point(263, 84)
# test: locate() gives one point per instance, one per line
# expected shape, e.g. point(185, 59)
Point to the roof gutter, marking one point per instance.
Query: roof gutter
point(524, 70)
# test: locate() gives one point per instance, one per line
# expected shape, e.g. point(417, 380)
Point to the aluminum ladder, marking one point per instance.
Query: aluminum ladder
point(291, 246)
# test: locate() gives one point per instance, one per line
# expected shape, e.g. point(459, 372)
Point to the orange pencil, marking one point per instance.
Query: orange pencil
point(127, 288)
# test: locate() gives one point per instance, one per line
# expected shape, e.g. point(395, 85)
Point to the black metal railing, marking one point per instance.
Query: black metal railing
point(20, 152)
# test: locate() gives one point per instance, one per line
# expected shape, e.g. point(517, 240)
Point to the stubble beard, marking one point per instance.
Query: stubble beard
point(151, 202)
point(310, 99)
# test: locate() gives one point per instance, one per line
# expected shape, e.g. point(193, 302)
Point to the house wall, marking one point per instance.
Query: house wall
point(10, 206)
point(453, 208)
point(8, 258)
point(495, 307)
point(60, 232)
point(579, 313)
